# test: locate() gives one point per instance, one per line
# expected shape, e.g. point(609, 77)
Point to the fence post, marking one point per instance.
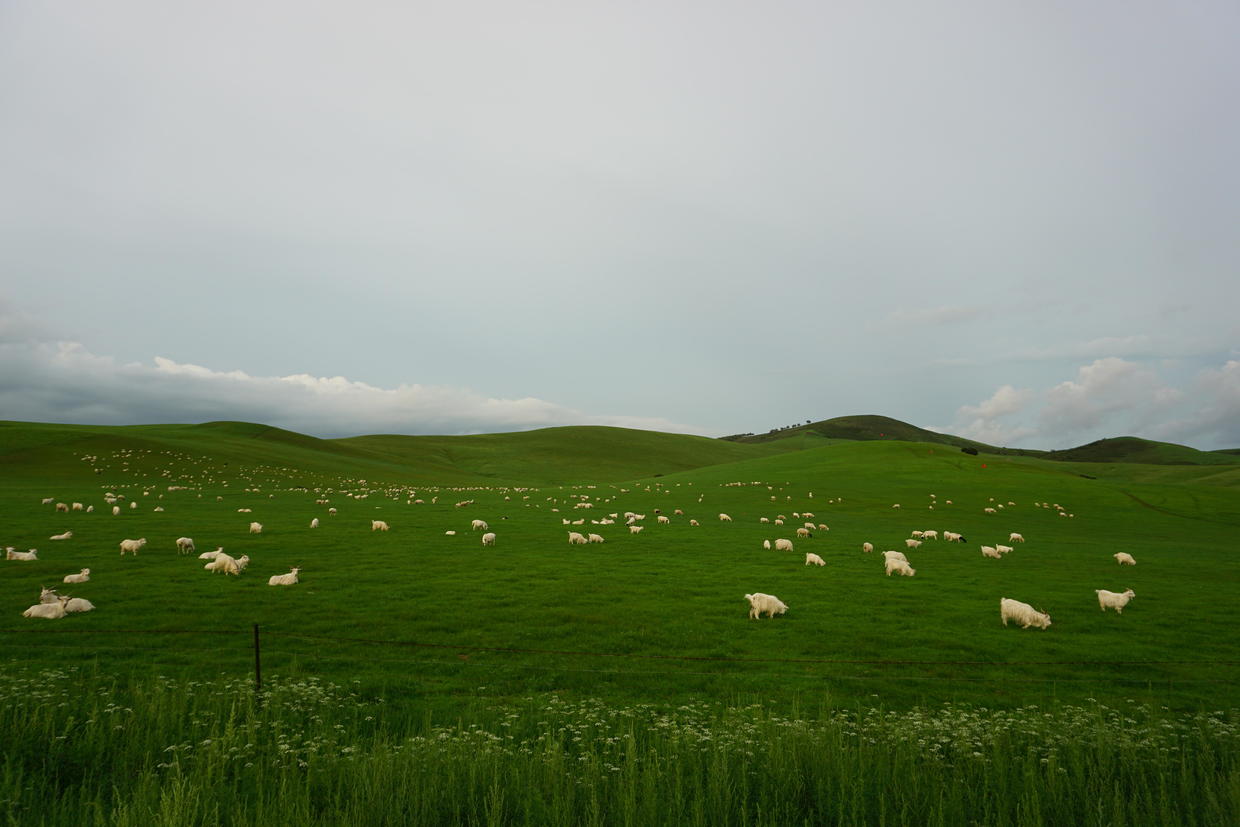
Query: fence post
point(258, 668)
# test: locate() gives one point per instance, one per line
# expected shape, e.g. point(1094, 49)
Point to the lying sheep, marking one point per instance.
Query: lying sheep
point(211, 555)
point(1111, 600)
point(64, 536)
point(48, 611)
point(1023, 614)
point(72, 604)
point(767, 604)
point(14, 554)
point(289, 579)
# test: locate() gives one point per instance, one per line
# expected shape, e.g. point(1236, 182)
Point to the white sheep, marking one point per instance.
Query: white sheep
point(48, 500)
point(764, 519)
point(1024, 614)
point(1124, 558)
point(185, 545)
point(917, 534)
point(488, 539)
point(1015, 538)
point(449, 533)
point(479, 525)
point(991, 551)
point(594, 538)
point(803, 532)
point(14, 554)
point(663, 519)
point(378, 525)
point(1111, 600)
point(256, 528)
point(766, 544)
point(894, 555)
point(900, 567)
point(912, 543)
point(211, 555)
point(810, 557)
point(64, 536)
point(694, 523)
point(867, 547)
point(77, 507)
point(223, 563)
point(783, 545)
point(930, 535)
point(1004, 549)
point(116, 510)
point(576, 538)
point(71, 604)
point(724, 518)
point(62, 507)
point(289, 579)
point(242, 562)
point(824, 527)
point(132, 546)
point(767, 604)
point(80, 577)
point(314, 523)
point(635, 529)
point(48, 611)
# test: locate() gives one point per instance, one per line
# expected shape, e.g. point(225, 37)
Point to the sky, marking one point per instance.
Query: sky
point(1015, 222)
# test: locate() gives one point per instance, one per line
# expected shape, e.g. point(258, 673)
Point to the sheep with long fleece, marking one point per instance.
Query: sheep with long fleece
point(912, 543)
point(814, 559)
point(900, 567)
point(783, 544)
point(1124, 558)
point(867, 547)
point(379, 525)
point(576, 538)
point(289, 579)
point(991, 551)
point(894, 555)
point(1015, 538)
point(768, 604)
point(14, 554)
point(64, 536)
point(80, 577)
point(132, 546)
point(1111, 600)
point(185, 545)
point(223, 563)
point(803, 533)
point(479, 525)
point(488, 539)
point(1024, 614)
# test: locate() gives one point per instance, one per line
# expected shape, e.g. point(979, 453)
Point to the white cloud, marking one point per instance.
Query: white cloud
point(65, 382)
point(980, 422)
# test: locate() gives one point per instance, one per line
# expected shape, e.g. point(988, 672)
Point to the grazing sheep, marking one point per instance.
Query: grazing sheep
point(1124, 558)
point(223, 563)
point(48, 500)
point(930, 535)
point(764, 520)
point(81, 577)
point(211, 555)
point(116, 509)
point(76, 507)
point(803, 532)
point(64, 536)
point(1111, 600)
point(479, 525)
point(48, 611)
point(594, 538)
point(823, 527)
point(810, 557)
point(663, 520)
point(132, 546)
point(576, 538)
point(185, 545)
point(449, 533)
point(378, 525)
point(694, 523)
point(894, 555)
point(256, 528)
point(314, 523)
point(488, 539)
point(724, 518)
point(331, 512)
point(912, 543)
point(767, 604)
point(62, 507)
point(867, 547)
point(14, 554)
point(991, 551)
point(917, 534)
point(900, 567)
point(635, 529)
point(783, 545)
point(1004, 549)
point(766, 544)
point(1024, 614)
point(289, 579)
point(1015, 538)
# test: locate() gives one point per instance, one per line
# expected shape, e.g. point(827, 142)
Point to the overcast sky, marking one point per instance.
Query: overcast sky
point(1017, 222)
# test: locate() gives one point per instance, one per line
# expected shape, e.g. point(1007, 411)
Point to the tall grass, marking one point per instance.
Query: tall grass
point(85, 748)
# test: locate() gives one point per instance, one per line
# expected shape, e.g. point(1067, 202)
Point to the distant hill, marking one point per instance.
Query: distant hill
point(871, 427)
point(1135, 449)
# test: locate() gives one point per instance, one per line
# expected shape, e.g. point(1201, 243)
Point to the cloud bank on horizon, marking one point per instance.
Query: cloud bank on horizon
point(1012, 222)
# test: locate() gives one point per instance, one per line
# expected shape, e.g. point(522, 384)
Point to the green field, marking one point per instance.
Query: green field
point(441, 629)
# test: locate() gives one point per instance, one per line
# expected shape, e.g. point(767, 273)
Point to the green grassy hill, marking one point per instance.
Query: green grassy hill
point(1135, 449)
point(870, 427)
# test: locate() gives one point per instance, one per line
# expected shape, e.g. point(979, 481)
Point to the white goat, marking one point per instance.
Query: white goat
point(289, 579)
point(211, 555)
point(132, 546)
point(14, 554)
point(1024, 614)
point(48, 611)
point(81, 577)
point(1111, 600)
point(767, 604)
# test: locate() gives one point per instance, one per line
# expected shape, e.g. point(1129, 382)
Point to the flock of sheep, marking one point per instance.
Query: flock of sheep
point(52, 605)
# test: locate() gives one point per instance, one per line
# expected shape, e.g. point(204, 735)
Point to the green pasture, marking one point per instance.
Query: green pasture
point(417, 614)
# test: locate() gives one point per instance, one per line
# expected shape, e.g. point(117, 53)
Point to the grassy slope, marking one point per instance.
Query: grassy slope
point(671, 590)
point(1149, 452)
point(871, 427)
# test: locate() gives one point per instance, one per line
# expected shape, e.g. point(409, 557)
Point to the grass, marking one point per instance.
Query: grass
point(447, 639)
